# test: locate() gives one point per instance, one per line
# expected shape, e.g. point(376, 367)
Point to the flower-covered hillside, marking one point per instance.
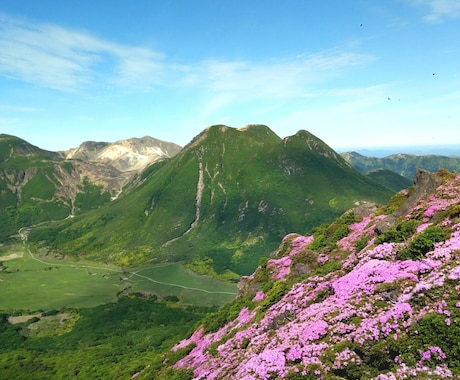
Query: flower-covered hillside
point(355, 300)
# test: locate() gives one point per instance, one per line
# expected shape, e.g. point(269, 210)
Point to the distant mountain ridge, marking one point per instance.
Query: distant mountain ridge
point(403, 164)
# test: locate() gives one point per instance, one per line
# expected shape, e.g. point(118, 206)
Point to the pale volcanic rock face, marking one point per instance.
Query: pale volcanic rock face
point(125, 155)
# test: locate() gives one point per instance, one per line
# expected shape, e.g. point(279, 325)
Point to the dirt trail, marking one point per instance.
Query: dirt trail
point(121, 272)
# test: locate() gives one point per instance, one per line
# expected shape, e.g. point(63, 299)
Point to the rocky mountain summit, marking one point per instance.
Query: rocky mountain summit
point(351, 301)
point(132, 154)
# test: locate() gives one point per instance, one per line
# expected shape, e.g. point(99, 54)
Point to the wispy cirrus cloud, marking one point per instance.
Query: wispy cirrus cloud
point(440, 9)
point(68, 60)
point(242, 81)
point(55, 57)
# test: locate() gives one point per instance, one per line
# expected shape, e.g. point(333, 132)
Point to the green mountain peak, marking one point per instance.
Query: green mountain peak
point(12, 147)
point(220, 204)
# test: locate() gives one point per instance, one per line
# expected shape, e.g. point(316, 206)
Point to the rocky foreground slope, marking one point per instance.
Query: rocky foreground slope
point(375, 295)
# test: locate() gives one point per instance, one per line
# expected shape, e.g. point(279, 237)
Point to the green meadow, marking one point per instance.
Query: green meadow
point(31, 282)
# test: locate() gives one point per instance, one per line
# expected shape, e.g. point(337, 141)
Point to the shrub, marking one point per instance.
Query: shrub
point(423, 243)
point(277, 292)
point(395, 202)
point(328, 236)
point(400, 233)
point(175, 356)
point(361, 243)
point(177, 374)
point(171, 298)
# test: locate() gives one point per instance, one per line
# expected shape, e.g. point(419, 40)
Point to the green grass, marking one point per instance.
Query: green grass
point(174, 279)
point(30, 284)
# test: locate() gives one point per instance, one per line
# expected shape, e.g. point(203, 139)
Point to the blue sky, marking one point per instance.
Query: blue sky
point(357, 74)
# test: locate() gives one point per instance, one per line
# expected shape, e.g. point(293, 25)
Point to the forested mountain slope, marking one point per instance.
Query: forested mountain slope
point(220, 204)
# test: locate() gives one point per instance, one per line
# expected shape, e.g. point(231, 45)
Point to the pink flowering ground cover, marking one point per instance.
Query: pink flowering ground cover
point(376, 317)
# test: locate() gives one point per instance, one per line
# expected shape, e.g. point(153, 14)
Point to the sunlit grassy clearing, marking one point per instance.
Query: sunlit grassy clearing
point(29, 284)
point(188, 286)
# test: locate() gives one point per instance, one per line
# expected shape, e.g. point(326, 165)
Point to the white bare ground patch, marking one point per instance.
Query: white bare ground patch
point(11, 256)
point(21, 318)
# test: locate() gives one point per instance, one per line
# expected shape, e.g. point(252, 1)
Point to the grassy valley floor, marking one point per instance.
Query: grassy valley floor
point(62, 319)
point(30, 282)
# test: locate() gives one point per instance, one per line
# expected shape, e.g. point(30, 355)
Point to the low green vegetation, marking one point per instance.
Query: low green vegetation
point(389, 179)
point(399, 233)
point(36, 282)
point(327, 235)
point(110, 341)
point(90, 196)
point(39, 186)
point(423, 243)
point(62, 318)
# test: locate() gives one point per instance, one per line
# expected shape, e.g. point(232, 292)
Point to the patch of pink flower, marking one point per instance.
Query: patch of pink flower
point(260, 295)
point(245, 316)
point(358, 230)
point(345, 358)
point(280, 267)
point(423, 226)
point(446, 194)
point(364, 278)
point(343, 306)
point(299, 243)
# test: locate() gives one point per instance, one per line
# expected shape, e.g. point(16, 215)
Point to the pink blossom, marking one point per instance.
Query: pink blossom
point(432, 352)
point(454, 273)
point(365, 277)
point(260, 365)
point(245, 316)
point(298, 243)
point(315, 330)
point(430, 211)
point(195, 337)
point(281, 267)
point(322, 258)
point(358, 230)
point(348, 305)
point(294, 353)
point(423, 226)
point(260, 295)
point(344, 358)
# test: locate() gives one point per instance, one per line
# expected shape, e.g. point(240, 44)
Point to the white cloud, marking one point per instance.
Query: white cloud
point(54, 57)
point(241, 81)
point(68, 60)
point(439, 9)
point(138, 66)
